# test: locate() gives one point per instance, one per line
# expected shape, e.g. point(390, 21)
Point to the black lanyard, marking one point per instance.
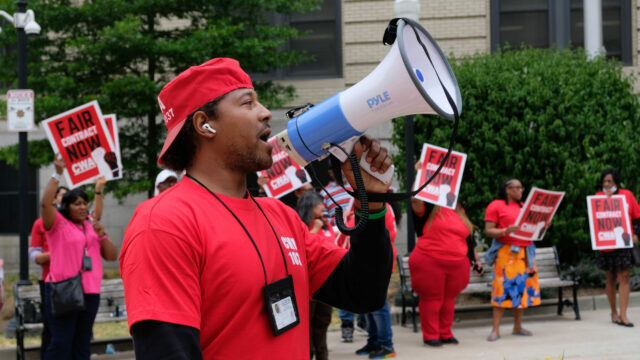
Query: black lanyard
point(264, 269)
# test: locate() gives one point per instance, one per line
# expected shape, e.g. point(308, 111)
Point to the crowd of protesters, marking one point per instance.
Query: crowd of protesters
point(210, 270)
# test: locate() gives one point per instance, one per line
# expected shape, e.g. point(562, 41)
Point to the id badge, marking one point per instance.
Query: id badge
point(86, 263)
point(280, 301)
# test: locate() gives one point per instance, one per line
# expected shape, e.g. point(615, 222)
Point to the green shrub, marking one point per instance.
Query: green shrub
point(588, 272)
point(550, 118)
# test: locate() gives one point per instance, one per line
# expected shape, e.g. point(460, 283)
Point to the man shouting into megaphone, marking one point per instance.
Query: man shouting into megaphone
point(211, 272)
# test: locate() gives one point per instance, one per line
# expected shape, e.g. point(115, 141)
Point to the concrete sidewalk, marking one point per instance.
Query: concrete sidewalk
point(555, 337)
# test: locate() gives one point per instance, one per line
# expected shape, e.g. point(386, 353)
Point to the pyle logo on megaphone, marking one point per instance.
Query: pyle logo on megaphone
point(378, 99)
point(406, 82)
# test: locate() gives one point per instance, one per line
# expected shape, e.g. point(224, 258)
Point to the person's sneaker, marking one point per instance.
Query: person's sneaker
point(433, 343)
point(383, 353)
point(347, 334)
point(366, 350)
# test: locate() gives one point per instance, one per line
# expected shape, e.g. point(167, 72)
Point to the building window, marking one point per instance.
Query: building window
point(323, 41)
point(524, 22)
point(10, 199)
point(544, 23)
point(614, 22)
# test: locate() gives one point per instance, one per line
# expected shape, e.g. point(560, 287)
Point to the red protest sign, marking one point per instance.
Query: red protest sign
point(536, 214)
point(609, 222)
point(445, 187)
point(285, 175)
point(114, 159)
point(81, 137)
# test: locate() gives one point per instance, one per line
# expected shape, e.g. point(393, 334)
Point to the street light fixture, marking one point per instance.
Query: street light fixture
point(23, 20)
point(25, 23)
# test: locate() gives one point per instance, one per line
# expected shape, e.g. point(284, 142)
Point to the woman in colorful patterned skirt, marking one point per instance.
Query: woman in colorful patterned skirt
point(515, 280)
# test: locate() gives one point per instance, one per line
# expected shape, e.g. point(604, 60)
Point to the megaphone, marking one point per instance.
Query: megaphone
point(414, 78)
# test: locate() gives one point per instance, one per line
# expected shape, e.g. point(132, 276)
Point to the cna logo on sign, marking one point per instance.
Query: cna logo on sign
point(167, 115)
point(378, 100)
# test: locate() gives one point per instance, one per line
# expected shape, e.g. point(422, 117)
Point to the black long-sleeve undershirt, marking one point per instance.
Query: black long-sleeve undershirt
point(358, 283)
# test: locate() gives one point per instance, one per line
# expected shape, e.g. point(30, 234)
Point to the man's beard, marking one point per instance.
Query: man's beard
point(243, 159)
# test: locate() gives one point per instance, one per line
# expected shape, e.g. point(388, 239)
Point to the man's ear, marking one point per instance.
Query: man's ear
point(202, 125)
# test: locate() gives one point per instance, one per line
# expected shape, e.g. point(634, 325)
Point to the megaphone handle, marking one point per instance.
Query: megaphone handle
point(386, 177)
point(347, 146)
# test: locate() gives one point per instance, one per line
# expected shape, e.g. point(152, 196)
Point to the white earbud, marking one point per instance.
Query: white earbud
point(209, 128)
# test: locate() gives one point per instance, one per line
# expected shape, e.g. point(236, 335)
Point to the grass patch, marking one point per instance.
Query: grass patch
point(100, 331)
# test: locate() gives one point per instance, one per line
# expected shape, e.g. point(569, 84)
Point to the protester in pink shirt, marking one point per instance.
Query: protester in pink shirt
point(70, 236)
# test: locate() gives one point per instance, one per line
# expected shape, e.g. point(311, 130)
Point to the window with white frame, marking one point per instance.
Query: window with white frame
point(546, 23)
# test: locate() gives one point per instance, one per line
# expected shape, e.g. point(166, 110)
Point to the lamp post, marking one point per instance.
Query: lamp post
point(408, 9)
point(24, 22)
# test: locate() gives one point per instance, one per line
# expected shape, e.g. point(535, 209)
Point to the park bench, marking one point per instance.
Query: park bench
point(549, 276)
point(27, 300)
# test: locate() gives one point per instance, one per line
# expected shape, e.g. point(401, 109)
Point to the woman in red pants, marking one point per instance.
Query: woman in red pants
point(439, 267)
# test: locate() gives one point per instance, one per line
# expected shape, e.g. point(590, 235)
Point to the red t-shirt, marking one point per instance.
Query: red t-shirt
point(328, 234)
point(39, 240)
point(446, 238)
point(632, 203)
point(186, 260)
point(504, 215)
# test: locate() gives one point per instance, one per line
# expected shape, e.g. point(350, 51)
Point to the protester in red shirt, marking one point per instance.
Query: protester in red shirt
point(511, 270)
point(439, 267)
point(617, 263)
point(210, 271)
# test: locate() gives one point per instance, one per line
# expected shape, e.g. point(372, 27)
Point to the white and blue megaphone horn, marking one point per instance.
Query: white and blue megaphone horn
point(411, 79)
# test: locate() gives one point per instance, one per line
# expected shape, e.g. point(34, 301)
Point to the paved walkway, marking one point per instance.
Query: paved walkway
point(555, 337)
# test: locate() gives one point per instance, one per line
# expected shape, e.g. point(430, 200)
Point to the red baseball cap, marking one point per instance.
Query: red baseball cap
point(195, 87)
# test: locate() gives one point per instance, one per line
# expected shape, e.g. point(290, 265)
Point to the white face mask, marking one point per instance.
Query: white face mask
point(613, 189)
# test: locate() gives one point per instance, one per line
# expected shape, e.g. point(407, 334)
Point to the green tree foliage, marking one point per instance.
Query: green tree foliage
point(550, 118)
point(121, 52)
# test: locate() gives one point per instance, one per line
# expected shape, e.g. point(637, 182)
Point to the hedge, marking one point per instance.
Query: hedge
point(551, 118)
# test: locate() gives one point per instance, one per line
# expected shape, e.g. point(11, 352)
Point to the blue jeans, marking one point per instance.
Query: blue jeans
point(379, 327)
point(71, 333)
point(347, 316)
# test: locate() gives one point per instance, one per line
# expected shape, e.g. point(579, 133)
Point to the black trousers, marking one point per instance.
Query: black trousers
point(319, 320)
point(46, 332)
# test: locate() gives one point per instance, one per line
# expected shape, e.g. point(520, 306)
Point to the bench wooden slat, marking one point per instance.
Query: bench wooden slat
point(476, 288)
point(546, 283)
point(110, 288)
